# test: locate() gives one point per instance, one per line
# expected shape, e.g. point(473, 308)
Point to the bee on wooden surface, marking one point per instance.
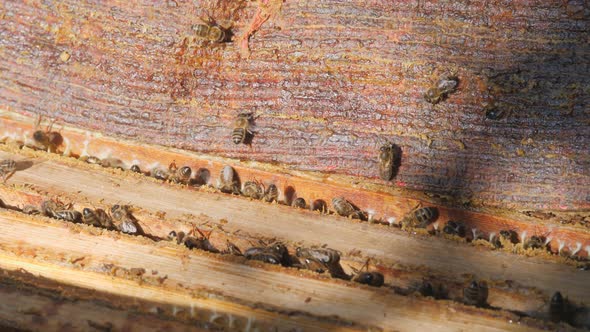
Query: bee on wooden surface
point(97, 218)
point(371, 278)
point(506, 236)
point(321, 260)
point(389, 157)
point(476, 293)
point(112, 163)
point(299, 203)
point(30, 209)
point(275, 253)
point(253, 189)
point(121, 214)
point(419, 217)
point(263, 255)
point(454, 228)
point(534, 242)
point(271, 194)
point(160, 174)
point(135, 169)
point(324, 255)
point(445, 85)
point(49, 208)
point(180, 175)
point(346, 209)
point(242, 128)
point(68, 215)
point(7, 168)
point(228, 182)
point(211, 31)
point(201, 242)
point(319, 205)
point(46, 139)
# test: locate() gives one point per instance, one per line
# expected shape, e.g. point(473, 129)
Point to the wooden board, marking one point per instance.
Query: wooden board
point(328, 80)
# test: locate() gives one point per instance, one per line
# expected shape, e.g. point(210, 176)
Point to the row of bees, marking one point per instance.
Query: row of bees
point(319, 260)
point(228, 182)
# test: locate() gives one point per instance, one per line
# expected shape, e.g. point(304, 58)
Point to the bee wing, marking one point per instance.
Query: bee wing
point(127, 226)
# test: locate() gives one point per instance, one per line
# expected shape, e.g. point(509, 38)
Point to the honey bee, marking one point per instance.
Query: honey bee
point(454, 228)
point(160, 174)
point(46, 140)
point(321, 260)
point(263, 255)
point(276, 253)
point(346, 209)
point(253, 189)
point(228, 182)
point(373, 278)
point(446, 84)
point(68, 215)
point(271, 194)
point(211, 31)
point(319, 205)
point(388, 159)
point(324, 255)
point(97, 218)
point(242, 132)
point(476, 293)
point(299, 203)
point(419, 217)
point(181, 175)
point(135, 169)
point(506, 236)
point(49, 208)
point(509, 235)
point(201, 242)
point(534, 242)
point(7, 168)
point(112, 163)
point(121, 214)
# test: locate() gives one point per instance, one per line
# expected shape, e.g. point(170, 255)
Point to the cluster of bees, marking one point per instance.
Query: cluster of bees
point(119, 217)
point(319, 260)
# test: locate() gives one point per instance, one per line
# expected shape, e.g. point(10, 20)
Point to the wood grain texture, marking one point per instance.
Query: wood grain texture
point(395, 251)
point(329, 80)
point(276, 299)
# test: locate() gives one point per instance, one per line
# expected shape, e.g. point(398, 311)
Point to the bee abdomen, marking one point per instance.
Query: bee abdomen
point(90, 218)
point(272, 193)
point(342, 206)
point(426, 215)
point(299, 203)
point(68, 215)
point(374, 279)
point(239, 135)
